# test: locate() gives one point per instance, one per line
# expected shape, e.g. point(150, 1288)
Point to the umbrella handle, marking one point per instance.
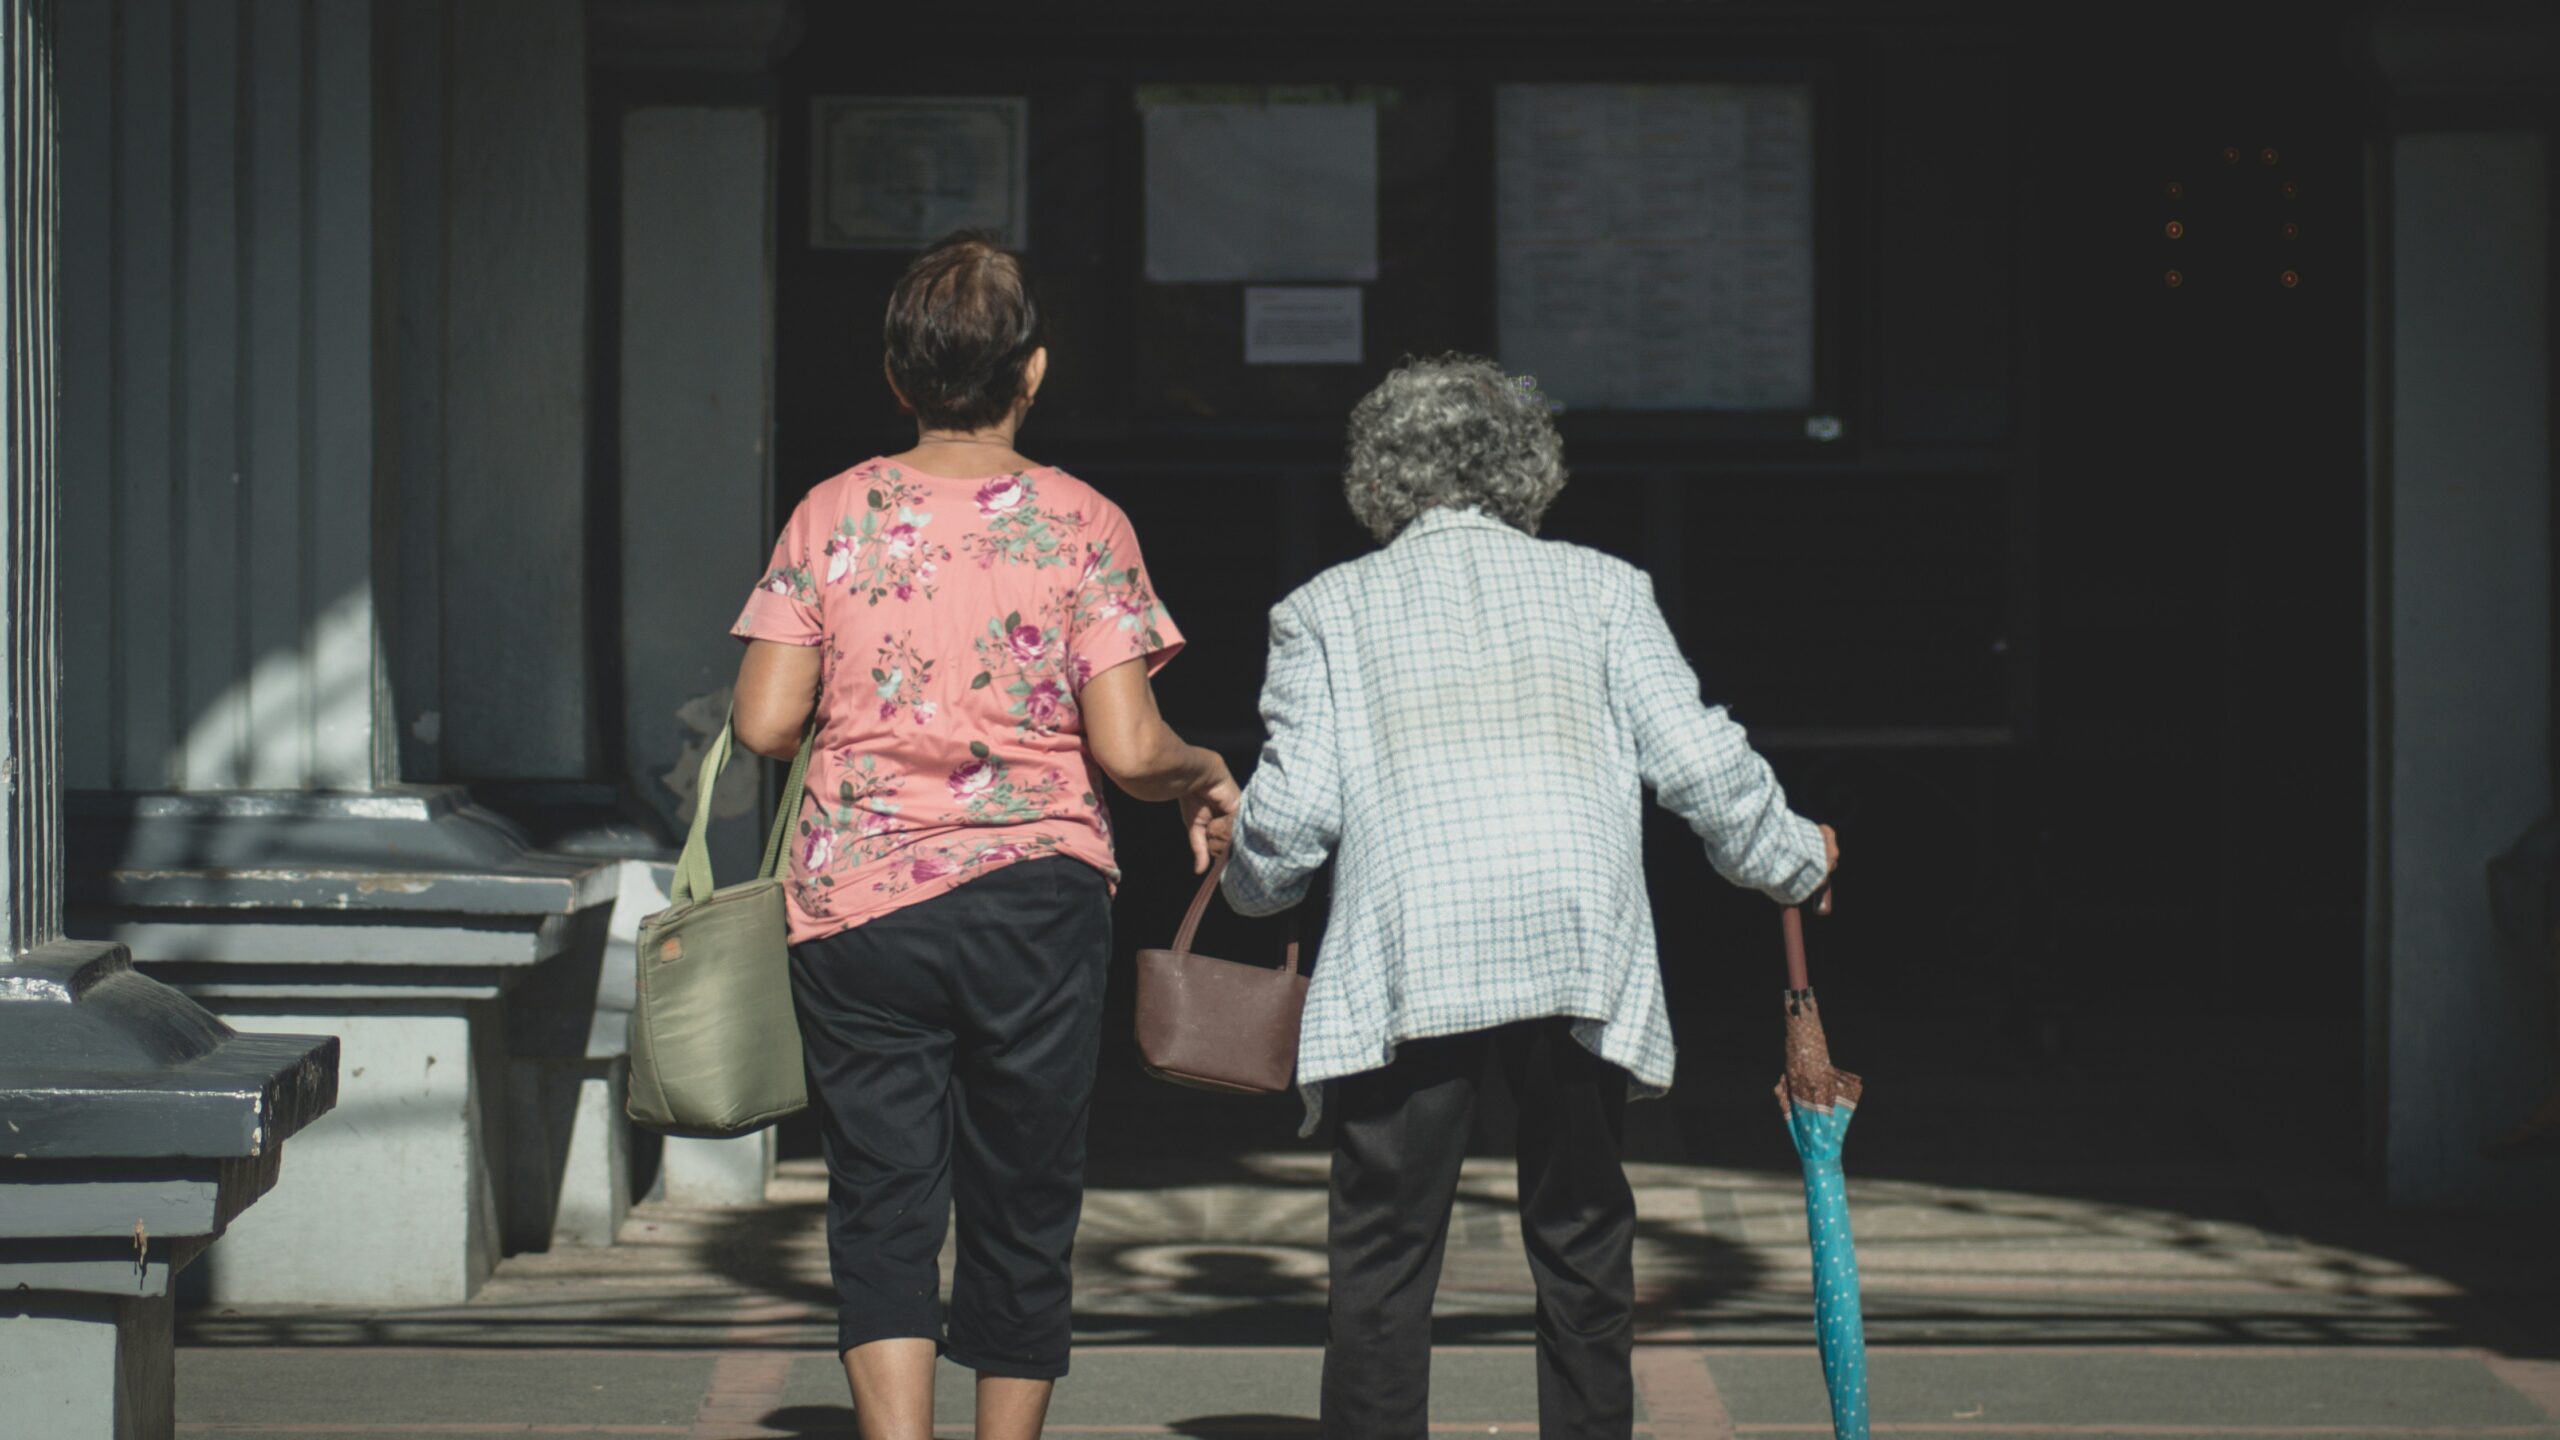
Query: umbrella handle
point(1793, 920)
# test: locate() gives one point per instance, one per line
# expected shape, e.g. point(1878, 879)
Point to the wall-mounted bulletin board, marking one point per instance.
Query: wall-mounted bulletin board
point(1650, 250)
point(1655, 243)
point(1705, 259)
point(1224, 257)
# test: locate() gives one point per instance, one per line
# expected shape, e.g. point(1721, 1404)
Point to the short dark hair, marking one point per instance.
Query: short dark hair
point(961, 327)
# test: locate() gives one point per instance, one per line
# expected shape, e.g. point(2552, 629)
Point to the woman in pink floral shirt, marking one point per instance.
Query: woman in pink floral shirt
point(956, 626)
point(974, 634)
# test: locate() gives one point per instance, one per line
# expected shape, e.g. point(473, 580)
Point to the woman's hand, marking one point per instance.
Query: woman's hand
point(1830, 868)
point(1142, 754)
point(1209, 813)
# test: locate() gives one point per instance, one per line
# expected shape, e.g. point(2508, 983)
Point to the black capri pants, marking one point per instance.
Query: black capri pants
point(951, 1048)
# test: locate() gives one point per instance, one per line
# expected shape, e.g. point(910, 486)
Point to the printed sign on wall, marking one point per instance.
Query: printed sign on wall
point(1302, 324)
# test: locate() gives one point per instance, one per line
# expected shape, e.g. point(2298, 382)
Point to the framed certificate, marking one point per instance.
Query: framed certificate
point(899, 172)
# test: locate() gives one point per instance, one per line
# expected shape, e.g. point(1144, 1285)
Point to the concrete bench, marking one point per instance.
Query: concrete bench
point(458, 967)
point(134, 1128)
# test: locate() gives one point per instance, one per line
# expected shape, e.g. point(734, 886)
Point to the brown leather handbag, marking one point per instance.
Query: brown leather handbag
point(1215, 1024)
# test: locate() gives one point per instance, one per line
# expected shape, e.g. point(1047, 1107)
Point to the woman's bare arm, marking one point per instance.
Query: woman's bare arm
point(1142, 755)
point(777, 688)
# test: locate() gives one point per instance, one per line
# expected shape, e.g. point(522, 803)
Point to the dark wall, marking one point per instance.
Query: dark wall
point(2201, 495)
point(2066, 631)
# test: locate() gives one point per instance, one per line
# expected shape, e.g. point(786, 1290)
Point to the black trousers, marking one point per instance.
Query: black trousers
point(1402, 1132)
point(951, 1050)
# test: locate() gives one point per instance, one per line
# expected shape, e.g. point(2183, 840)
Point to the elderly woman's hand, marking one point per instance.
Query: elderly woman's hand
point(1209, 813)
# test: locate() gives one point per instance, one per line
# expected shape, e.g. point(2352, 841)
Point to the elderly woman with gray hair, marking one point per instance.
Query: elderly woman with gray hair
point(1465, 721)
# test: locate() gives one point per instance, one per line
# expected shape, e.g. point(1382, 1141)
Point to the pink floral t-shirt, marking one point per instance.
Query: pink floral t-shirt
point(958, 620)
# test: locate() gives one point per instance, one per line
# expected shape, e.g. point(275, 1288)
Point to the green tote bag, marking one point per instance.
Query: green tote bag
point(715, 1047)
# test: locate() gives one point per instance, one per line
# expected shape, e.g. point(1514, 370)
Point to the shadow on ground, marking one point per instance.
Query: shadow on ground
point(1232, 1254)
point(2092, 1198)
point(836, 1422)
point(811, 1422)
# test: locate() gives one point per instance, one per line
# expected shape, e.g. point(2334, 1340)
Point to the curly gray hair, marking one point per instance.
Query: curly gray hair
point(1452, 431)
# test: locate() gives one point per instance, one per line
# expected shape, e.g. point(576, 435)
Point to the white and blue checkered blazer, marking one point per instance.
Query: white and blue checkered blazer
point(1466, 720)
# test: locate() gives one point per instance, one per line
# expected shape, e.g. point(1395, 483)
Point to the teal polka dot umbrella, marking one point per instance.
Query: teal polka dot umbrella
point(1818, 1101)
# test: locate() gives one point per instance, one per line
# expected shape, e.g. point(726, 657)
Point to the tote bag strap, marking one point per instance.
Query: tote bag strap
point(788, 807)
point(693, 866)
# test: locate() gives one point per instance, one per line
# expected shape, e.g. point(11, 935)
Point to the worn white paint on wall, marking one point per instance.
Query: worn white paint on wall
point(2465, 661)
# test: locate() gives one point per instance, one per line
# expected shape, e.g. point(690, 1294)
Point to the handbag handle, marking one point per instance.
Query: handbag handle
point(1190, 930)
point(693, 865)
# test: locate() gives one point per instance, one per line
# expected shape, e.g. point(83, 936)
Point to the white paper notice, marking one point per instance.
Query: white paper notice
point(899, 174)
point(1262, 192)
point(1654, 243)
point(1302, 325)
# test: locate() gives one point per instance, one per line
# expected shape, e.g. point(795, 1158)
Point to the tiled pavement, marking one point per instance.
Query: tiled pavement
point(2156, 1283)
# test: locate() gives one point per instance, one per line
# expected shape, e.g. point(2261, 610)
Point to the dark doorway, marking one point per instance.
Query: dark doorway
point(2065, 630)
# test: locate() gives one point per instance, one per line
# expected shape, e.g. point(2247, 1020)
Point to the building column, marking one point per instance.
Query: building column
point(686, 97)
point(138, 1125)
point(2460, 1043)
point(30, 667)
point(72, 1364)
point(245, 251)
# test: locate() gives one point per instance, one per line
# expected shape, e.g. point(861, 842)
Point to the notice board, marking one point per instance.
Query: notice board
point(1260, 191)
point(1655, 243)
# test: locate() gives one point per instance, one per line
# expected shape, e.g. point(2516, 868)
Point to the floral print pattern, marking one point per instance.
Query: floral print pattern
point(793, 581)
point(1027, 663)
point(902, 679)
point(1118, 595)
point(883, 550)
point(924, 780)
point(859, 827)
point(985, 786)
point(1015, 529)
point(956, 862)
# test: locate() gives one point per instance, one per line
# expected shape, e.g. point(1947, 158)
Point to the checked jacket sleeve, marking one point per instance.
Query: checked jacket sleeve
point(1701, 765)
point(1292, 816)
